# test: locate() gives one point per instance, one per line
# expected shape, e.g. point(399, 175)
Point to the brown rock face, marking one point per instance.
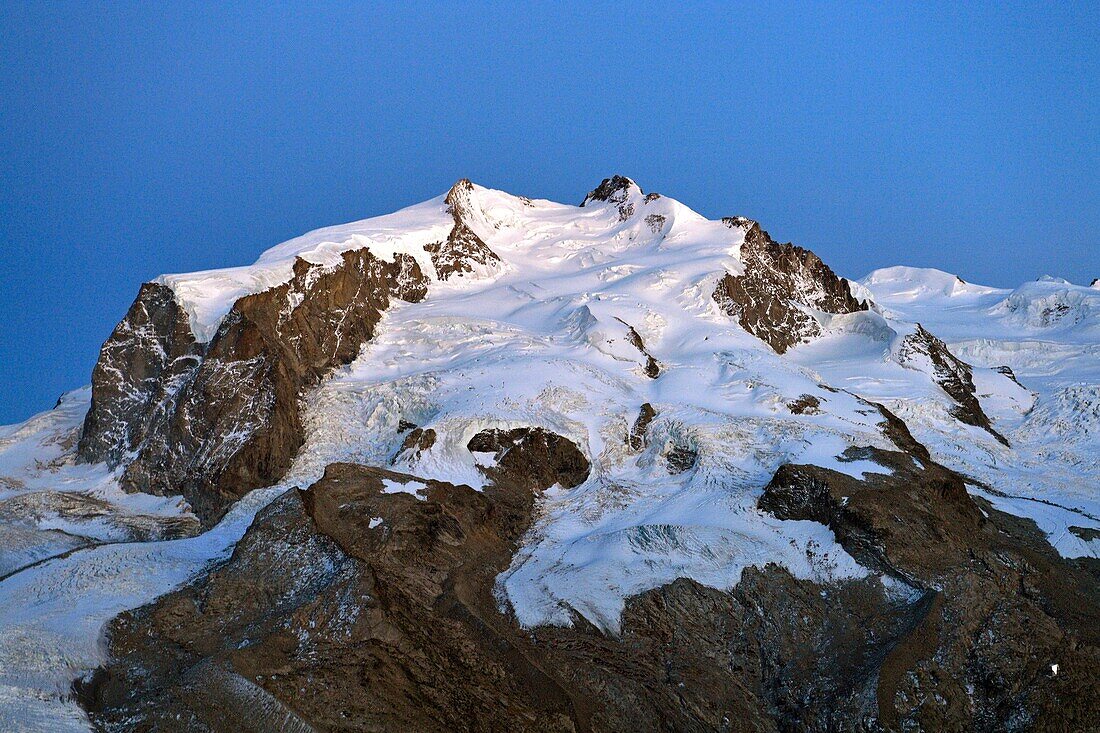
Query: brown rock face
point(380, 604)
point(781, 280)
point(807, 404)
point(416, 442)
point(215, 427)
point(140, 370)
point(533, 458)
point(636, 439)
point(213, 421)
point(1000, 606)
point(953, 374)
point(614, 190)
point(652, 369)
point(346, 608)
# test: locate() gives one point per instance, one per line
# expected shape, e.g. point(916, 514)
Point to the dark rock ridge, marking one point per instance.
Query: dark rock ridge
point(953, 375)
point(615, 190)
point(681, 458)
point(415, 443)
point(462, 249)
point(998, 605)
point(637, 437)
point(1007, 371)
point(215, 426)
point(806, 404)
point(780, 282)
point(140, 369)
point(652, 369)
point(347, 608)
point(532, 458)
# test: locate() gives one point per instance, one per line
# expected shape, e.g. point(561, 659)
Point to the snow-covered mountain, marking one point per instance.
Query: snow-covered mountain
point(607, 467)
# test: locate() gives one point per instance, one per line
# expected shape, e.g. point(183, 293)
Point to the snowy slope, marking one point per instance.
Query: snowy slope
point(592, 313)
point(1048, 333)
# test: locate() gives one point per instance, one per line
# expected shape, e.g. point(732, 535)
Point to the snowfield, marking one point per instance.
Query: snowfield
point(1048, 333)
point(560, 335)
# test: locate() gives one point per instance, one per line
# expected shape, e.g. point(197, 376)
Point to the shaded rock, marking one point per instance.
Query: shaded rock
point(652, 369)
point(415, 443)
point(325, 617)
point(655, 222)
point(141, 368)
point(1007, 371)
point(74, 509)
point(999, 604)
point(952, 374)
point(807, 404)
point(780, 282)
point(681, 458)
point(615, 190)
point(531, 457)
point(388, 626)
point(1088, 534)
point(637, 437)
point(232, 421)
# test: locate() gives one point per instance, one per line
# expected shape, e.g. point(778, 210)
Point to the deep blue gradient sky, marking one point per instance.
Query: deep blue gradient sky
point(151, 138)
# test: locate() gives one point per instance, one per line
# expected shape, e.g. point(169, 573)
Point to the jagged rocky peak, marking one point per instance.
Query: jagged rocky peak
point(614, 190)
point(215, 423)
point(739, 222)
point(624, 193)
point(951, 373)
point(140, 368)
point(463, 251)
point(780, 284)
point(458, 196)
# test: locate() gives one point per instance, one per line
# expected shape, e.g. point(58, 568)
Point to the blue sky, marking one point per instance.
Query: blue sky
point(140, 139)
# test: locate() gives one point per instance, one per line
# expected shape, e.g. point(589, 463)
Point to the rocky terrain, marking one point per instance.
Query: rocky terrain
point(495, 463)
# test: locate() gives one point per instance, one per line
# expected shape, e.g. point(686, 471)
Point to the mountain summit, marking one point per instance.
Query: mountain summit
point(496, 463)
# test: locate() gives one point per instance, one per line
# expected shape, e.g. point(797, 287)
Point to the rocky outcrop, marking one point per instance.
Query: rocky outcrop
point(951, 373)
point(999, 606)
point(380, 608)
point(1007, 371)
point(215, 420)
point(651, 369)
point(779, 287)
point(807, 404)
point(141, 368)
point(216, 425)
point(617, 190)
point(381, 603)
point(680, 458)
point(636, 439)
point(415, 443)
point(530, 458)
point(463, 250)
point(353, 607)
